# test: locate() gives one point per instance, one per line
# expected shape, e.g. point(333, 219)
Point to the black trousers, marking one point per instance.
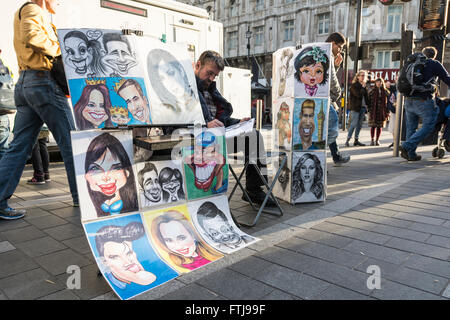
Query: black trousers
point(252, 145)
point(40, 158)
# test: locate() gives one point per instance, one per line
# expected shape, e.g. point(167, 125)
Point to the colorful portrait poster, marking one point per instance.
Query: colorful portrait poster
point(205, 164)
point(171, 84)
point(174, 237)
point(109, 102)
point(160, 182)
point(308, 177)
point(93, 53)
point(282, 188)
point(212, 219)
point(310, 123)
point(283, 72)
point(312, 65)
point(282, 122)
point(104, 172)
point(125, 257)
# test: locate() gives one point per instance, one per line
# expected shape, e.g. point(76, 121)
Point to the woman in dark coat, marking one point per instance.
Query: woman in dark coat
point(378, 111)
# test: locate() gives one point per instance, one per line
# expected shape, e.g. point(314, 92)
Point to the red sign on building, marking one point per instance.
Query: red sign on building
point(385, 74)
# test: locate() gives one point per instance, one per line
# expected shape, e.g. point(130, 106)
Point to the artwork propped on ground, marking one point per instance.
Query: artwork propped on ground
point(160, 182)
point(283, 72)
point(282, 129)
point(176, 240)
point(104, 172)
point(205, 164)
point(282, 188)
point(125, 257)
point(213, 221)
point(308, 177)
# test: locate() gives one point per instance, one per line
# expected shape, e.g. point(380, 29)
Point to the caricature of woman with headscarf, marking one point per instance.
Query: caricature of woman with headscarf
point(311, 69)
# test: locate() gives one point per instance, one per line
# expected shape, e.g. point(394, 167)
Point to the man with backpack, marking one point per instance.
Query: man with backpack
point(6, 104)
point(418, 84)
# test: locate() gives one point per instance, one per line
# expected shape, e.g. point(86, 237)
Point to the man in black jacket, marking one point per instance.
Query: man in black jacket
point(217, 112)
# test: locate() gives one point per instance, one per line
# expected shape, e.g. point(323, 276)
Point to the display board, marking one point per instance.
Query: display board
point(300, 127)
point(147, 222)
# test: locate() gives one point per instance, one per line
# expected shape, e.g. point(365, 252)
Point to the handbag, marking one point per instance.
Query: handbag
point(59, 75)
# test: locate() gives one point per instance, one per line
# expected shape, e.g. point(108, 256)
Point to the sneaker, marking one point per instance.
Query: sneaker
point(377, 143)
point(391, 145)
point(358, 144)
point(347, 144)
point(36, 180)
point(342, 159)
point(372, 143)
point(403, 153)
point(258, 196)
point(47, 177)
point(11, 214)
point(415, 158)
point(76, 204)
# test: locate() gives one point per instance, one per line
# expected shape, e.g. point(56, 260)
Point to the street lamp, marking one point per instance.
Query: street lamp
point(248, 35)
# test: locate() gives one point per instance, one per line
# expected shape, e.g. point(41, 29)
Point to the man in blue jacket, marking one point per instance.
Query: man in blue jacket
point(422, 105)
point(217, 112)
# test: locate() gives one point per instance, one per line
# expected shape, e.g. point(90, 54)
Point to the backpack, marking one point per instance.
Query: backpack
point(410, 80)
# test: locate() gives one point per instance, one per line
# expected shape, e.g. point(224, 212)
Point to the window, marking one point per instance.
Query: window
point(324, 23)
point(232, 40)
point(384, 60)
point(288, 27)
point(394, 18)
point(288, 1)
point(259, 5)
point(233, 10)
point(259, 35)
point(365, 21)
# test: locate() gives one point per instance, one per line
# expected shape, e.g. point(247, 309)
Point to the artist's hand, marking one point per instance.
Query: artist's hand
point(245, 119)
point(214, 124)
point(338, 60)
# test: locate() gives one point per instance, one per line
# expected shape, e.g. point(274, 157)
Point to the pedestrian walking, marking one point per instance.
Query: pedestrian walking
point(338, 42)
point(357, 106)
point(392, 105)
point(420, 103)
point(38, 99)
point(6, 94)
point(378, 112)
point(40, 159)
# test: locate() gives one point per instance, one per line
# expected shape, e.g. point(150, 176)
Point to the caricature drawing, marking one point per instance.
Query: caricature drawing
point(170, 81)
point(311, 69)
point(283, 125)
point(119, 115)
point(206, 163)
point(92, 111)
point(109, 176)
point(174, 234)
point(171, 180)
point(215, 225)
point(151, 191)
point(118, 259)
point(119, 55)
point(131, 91)
point(307, 181)
point(83, 55)
point(283, 70)
point(284, 177)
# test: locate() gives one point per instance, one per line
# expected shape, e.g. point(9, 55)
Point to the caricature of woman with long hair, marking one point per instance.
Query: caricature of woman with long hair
point(311, 68)
point(307, 177)
point(170, 81)
point(174, 234)
point(83, 54)
point(109, 177)
point(171, 181)
point(92, 111)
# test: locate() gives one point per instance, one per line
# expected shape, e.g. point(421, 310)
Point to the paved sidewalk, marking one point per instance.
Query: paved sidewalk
point(380, 211)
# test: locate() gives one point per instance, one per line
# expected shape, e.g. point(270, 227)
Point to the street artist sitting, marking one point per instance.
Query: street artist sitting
point(217, 112)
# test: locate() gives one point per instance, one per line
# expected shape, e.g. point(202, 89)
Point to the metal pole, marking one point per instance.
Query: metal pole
point(258, 114)
point(344, 116)
point(358, 35)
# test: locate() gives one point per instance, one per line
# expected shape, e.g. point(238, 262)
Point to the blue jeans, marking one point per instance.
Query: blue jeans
point(428, 111)
point(38, 99)
point(357, 119)
point(4, 134)
point(333, 125)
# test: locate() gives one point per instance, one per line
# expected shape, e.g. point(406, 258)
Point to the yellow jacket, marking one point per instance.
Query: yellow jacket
point(34, 39)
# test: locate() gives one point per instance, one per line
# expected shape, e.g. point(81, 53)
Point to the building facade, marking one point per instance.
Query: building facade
point(279, 23)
